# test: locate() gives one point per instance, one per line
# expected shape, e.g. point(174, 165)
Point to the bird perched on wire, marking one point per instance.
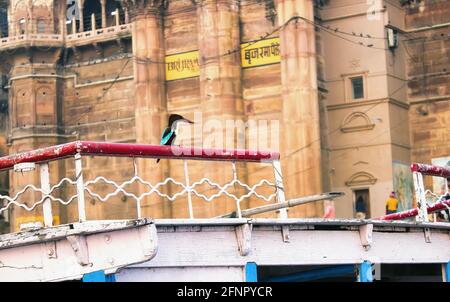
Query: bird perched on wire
point(170, 133)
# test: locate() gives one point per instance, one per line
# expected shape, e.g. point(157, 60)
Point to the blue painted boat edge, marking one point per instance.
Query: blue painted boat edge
point(251, 272)
point(447, 272)
point(365, 272)
point(98, 276)
point(316, 274)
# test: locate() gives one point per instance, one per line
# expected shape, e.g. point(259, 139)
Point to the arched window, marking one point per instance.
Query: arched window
point(21, 26)
point(3, 21)
point(112, 8)
point(92, 7)
point(41, 26)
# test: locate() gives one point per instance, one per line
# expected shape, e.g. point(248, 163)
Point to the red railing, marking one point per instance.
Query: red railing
point(429, 170)
point(134, 150)
point(77, 149)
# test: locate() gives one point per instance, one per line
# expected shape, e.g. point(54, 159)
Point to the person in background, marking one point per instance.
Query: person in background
point(391, 204)
point(360, 208)
point(329, 209)
point(444, 216)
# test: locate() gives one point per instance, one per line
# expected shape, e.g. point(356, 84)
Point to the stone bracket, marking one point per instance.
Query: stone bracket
point(79, 246)
point(51, 249)
point(365, 235)
point(244, 238)
point(427, 234)
point(285, 233)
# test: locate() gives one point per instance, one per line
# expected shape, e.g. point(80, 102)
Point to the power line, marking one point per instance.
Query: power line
point(344, 124)
point(90, 108)
point(140, 60)
point(401, 123)
point(333, 131)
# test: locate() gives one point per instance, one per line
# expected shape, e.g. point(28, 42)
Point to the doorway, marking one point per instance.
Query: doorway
point(361, 203)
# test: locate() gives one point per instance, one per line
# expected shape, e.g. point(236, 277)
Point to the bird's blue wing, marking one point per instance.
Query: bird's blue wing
point(167, 134)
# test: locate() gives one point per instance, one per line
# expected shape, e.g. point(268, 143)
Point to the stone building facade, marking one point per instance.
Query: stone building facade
point(352, 108)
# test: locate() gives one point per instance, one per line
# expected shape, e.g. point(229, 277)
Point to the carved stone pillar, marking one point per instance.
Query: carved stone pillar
point(127, 17)
point(93, 24)
point(62, 19)
point(103, 3)
point(220, 83)
point(81, 7)
point(150, 107)
point(300, 142)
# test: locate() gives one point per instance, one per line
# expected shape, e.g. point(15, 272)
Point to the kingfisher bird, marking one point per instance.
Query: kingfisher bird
point(170, 133)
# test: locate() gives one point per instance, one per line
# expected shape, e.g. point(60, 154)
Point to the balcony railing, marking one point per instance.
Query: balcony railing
point(13, 41)
point(101, 33)
point(92, 32)
point(77, 150)
point(92, 28)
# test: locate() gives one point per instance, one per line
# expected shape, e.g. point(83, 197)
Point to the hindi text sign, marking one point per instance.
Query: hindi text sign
point(260, 53)
point(182, 65)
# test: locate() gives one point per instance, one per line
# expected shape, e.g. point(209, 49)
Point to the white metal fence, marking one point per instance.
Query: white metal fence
point(188, 189)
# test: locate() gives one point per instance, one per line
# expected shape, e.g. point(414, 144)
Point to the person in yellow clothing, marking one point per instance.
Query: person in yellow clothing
point(391, 204)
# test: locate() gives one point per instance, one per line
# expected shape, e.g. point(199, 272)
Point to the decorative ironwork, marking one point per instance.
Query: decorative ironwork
point(77, 149)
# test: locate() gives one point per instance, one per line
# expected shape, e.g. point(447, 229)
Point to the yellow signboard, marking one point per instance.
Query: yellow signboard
point(260, 53)
point(186, 65)
point(182, 65)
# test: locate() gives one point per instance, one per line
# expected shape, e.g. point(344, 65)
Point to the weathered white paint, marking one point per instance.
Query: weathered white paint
point(45, 187)
point(80, 187)
point(211, 249)
point(47, 254)
point(182, 274)
point(208, 243)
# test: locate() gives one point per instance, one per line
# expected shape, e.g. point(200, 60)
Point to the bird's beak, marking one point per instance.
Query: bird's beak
point(188, 121)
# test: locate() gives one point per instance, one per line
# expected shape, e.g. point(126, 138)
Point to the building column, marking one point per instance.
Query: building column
point(151, 106)
point(35, 122)
point(220, 83)
point(29, 20)
point(103, 3)
point(300, 125)
point(11, 22)
point(81, 7)
point(63, 19)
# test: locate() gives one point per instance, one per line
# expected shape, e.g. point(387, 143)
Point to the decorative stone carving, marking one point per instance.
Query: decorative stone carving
point(361, 178)
point(142, 7)
point(357, 121)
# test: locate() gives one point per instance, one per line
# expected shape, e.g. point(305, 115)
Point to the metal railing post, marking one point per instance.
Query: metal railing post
point(238, 205)
point(279, 187)
point(45, 187)
point(138, 201)
point(186, 177)
point(80, 188)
